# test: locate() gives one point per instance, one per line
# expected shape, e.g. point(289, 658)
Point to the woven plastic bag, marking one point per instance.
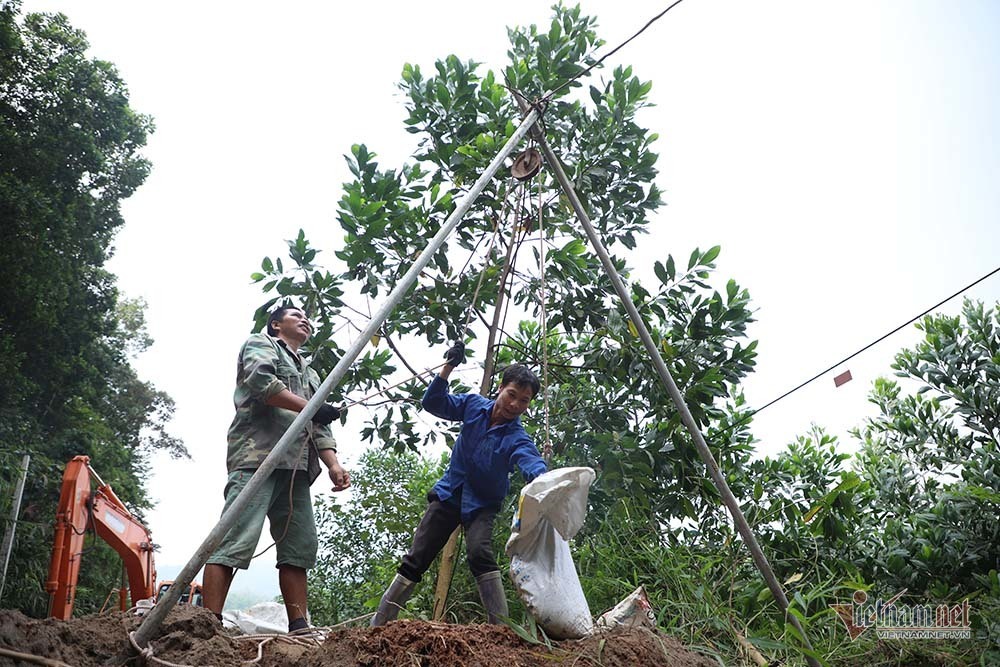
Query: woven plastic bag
point(633, 611)
point(550, 512)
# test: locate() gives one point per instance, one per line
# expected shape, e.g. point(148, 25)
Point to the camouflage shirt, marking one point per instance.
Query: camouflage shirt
point(265, 367)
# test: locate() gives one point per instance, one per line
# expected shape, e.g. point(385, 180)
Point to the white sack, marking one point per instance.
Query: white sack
point(551, 510)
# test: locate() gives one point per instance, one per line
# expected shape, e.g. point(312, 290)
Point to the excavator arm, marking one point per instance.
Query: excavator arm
point(80, 508)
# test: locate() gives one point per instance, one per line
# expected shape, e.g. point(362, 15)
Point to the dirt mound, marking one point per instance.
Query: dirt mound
point(406, 643)
point(189, 633)
point(192, 636)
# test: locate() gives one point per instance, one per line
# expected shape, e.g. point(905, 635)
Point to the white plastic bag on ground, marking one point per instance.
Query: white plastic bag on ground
point(632, 611)
point(550, 512)
point(262, 618)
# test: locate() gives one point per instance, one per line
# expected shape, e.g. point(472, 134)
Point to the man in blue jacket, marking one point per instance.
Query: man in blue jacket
point(491, 444)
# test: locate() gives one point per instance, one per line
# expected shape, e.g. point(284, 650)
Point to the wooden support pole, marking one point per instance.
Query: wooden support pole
point(151, 624)
point(446, 569)
point(8, 538)
point(760, 560)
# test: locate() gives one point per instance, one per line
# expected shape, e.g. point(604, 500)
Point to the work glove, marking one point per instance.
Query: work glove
point(327, 413)
point(455, 354)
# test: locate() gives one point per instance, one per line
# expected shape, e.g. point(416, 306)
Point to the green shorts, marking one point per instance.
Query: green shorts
point(296, 544)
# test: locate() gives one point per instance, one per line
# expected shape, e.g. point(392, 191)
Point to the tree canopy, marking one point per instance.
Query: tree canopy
point(605, 406)
point(70, 152)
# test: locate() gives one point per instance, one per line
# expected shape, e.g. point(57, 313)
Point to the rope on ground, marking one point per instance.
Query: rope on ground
point(36, 659)
point(260, 653)
point(308, 637)
point(147, 653)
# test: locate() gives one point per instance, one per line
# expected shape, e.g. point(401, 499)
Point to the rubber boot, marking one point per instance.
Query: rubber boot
point(393, 600)
point(493, 597)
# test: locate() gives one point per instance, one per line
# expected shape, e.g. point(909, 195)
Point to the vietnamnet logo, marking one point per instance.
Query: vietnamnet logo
point(893, 620)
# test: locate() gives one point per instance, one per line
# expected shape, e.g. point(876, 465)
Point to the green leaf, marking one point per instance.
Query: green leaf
point(522, 633)
point(661, 273)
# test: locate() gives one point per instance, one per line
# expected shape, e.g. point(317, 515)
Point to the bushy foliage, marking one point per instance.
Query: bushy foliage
point(362, 542)
point(915, 506)
point(931, 459)
point(606, 407)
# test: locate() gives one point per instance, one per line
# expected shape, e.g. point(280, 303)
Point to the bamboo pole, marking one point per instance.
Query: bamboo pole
point(154, 619)
point(8, 538)
point(760, 560)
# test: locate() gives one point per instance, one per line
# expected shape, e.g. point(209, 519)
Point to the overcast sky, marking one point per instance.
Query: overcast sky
point(843, 154)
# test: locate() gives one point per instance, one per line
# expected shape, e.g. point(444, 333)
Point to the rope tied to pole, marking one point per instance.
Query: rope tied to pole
point(547, 446)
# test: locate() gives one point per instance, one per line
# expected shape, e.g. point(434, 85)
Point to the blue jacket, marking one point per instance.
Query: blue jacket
point(483, 457)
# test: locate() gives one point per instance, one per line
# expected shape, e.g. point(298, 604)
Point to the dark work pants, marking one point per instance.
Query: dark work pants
point(440, 520)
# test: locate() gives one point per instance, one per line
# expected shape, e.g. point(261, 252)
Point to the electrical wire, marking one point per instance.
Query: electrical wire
point(550, 94)
point(747, 417)
point(878, 340)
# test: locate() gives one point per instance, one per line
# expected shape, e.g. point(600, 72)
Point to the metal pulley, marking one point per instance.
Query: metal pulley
point(526, 164)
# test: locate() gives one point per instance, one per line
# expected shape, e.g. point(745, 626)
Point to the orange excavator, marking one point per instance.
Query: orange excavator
point(81, 508)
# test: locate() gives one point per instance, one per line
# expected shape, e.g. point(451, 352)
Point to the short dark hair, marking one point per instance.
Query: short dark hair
point(278, 314)
point(521, 375)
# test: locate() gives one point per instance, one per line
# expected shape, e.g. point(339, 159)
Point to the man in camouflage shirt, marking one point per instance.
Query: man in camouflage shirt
point(273, 384)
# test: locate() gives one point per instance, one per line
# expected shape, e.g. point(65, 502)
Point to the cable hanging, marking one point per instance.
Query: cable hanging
point(548, 96)
point(878, 340)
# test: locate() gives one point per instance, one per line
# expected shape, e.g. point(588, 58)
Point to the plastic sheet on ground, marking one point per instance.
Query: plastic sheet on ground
point(262, 618)
point(633, 611)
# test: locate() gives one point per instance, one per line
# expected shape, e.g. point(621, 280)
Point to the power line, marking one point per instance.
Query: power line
point(613, 51)
point(878, 340)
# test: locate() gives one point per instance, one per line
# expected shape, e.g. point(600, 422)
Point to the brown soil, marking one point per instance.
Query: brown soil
point(192, 636)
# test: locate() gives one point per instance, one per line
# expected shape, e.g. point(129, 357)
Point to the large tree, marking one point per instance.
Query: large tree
point(605, 407)
point(69, 154)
